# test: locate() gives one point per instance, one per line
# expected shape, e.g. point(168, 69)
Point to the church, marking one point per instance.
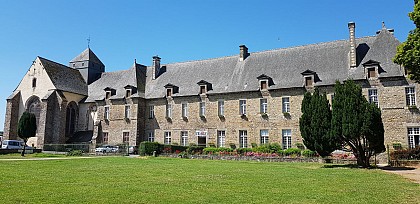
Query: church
point(235, 101)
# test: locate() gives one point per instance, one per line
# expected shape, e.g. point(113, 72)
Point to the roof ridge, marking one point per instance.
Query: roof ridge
point(55, 62)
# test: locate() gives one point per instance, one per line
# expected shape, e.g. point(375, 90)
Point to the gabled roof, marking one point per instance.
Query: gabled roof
point(87, 55)
point(64, 78)
point(308, 72)
point(371, 62)
point(134, 77)
point(329, 60)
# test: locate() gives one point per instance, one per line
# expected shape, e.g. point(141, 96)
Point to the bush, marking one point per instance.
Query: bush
point(275, 147)
point(406, 154)
point(300, 146)
point(224, 149)
point(210, 150)
point(265, 148)
point(195, 149)
point(308, 153)
point(76, 153)
point(242, 151)
point(254, 145)
point(147, 148)
point(292, 151)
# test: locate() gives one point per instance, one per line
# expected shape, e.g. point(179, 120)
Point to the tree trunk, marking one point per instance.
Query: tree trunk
point(362, 160)
point(23, 151)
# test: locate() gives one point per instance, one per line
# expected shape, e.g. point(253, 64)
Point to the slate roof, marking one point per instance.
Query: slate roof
point(134, 76)
point(64, 78)
point(87, 55)
point(329, 60)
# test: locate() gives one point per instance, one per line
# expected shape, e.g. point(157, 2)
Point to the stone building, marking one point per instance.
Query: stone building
point(229, 101)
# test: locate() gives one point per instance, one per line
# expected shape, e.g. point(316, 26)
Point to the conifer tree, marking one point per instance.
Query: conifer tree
point(26, 128)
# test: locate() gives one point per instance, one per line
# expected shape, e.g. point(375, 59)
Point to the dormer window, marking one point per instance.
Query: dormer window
point(265, 81)
point(171, 90)
point(372, 69)
point(310, 78)
point(204, 86)
point(129, 90)
point(107, 94)
point(127, 93)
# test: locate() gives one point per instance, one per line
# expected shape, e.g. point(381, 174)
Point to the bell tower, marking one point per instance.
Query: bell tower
point(88, 65)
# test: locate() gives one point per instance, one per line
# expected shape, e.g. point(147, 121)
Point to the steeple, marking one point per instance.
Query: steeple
point(88, 65)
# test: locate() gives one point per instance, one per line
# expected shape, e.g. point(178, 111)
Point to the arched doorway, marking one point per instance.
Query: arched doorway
point(33, 105)
point(71, 118)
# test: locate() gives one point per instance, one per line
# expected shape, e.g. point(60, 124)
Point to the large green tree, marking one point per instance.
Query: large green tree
point(408, 52)
point(26, 128)
point(356, 122)
point(315, 124)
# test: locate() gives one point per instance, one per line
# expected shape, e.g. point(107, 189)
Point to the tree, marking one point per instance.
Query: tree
point(408, 52)
point(26, 128)
point(356, 122)
point(315, 124)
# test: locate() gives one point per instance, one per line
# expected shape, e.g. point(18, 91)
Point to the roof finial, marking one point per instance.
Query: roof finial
point(383, 25)
point(135, 61)
point(88, 40)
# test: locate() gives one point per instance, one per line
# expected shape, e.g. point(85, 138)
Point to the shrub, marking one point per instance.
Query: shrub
point(147, 148)
point(224, 149)
point(211, 144)
point(77, 153)
point(210, 150)
point(409, 154)
point(308, 153)
point(195, 149)
point(242, 151)
point(275, 147)
point(254, 145)
point(292, 151)
point(300, 146)
point(232, 145)
point(397, 146)
point(265, 148)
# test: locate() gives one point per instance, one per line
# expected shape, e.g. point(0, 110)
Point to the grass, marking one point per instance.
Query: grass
point(164, 180)
point(29, 156)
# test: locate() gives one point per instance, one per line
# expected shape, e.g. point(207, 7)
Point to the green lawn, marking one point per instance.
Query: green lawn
point(163, 180)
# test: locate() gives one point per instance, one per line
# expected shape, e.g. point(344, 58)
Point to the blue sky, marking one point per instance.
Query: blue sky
point(182, 30)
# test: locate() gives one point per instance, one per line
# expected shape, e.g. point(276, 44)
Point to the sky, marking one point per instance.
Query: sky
point(183, 30)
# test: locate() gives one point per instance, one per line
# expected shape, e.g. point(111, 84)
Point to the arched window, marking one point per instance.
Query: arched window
point(33, 105)
point(71, 118)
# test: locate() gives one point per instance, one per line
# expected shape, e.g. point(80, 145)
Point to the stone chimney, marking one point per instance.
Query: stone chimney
point(352, 30)
point(243, 54)
point(155, 66)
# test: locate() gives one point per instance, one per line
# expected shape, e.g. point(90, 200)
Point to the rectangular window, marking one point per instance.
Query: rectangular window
point(263, 105)
point(221, 138)
point(243, 139)
point(167, 138)
point(410, 96)
point(168, 92)
point(285, 105)
point(373, 96)
point(371, 72)
point(106, 113)
point(105, 137)
point(126, 137)
point(184, 138)
point(287, 138)
point(264, 136)
point(202, 109)
point(413, 137)
point(127, 93)
point(263, 85)
point(242, 107)
point(169, 110)
point(309, 81)
point(127, 111)
point(151, 112)
point(202, 89)
point(184, 107)
point(151, 137)
point(107, 95)
point(221, 108)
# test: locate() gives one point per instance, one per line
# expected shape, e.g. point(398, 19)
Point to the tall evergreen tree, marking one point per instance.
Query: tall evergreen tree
point(26, 128)
point(408, 52)
point(357, 122)
point(315, 124)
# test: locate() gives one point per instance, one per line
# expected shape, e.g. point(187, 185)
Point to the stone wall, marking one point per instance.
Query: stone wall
point(12, 117)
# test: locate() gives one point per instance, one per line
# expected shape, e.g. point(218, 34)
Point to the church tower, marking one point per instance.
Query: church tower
point(88, 65)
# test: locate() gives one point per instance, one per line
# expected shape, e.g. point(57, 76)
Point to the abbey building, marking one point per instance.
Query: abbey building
point(252, 97)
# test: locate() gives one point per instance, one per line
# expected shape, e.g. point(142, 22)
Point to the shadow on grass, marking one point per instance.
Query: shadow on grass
point(348, 166)
point(392, 168)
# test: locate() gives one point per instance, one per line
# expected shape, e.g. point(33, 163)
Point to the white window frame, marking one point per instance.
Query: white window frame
point(373, 96)
point(169, 110)
point(243, 138)
point(202, 106)
point(285, 104)
point(103, 137)
point(410, 96)
point(221, 107)
point(184, 109)
point(264, 138)
point(266, 84)
point(126, 137)
point(128, 93)
point(184, 138)
point(242, 107)
point(151, 112)
point(151, 136)
point(221, 138)
point(286, 135)
point(167, 137)
point(263, 105)
point(107, 111)
point(412, 133)
point(127, 110)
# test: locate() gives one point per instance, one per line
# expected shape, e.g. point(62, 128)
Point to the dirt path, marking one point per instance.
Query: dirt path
point(412, 173)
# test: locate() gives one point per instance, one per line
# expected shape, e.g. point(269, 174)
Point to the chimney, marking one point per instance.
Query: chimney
point(155, 66)
point(243, 54)
point(352, 28)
